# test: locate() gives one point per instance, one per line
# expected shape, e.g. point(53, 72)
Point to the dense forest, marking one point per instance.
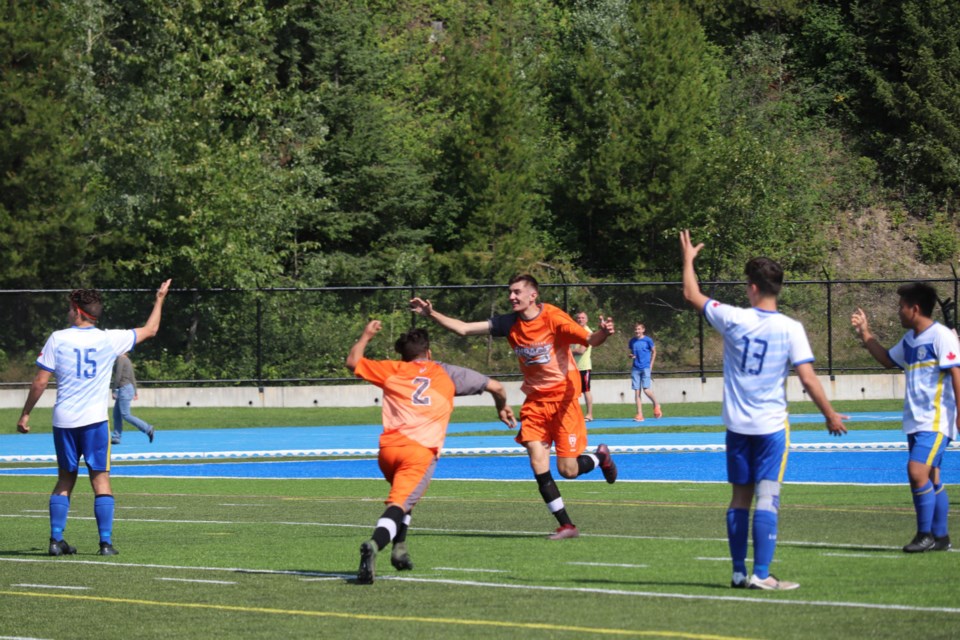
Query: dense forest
point(267, 143)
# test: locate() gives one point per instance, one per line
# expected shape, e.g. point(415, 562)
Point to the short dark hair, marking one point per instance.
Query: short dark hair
point(89, 301)
point(766, 274)
point(921, 294)
point(413, 344)
point(525, 277)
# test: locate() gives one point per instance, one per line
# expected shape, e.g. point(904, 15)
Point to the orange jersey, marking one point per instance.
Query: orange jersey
point(543, 347)
point(418, 396)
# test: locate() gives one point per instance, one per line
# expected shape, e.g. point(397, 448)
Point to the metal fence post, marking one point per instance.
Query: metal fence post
point(829, 324)
point(259, 344)
point(703, 374)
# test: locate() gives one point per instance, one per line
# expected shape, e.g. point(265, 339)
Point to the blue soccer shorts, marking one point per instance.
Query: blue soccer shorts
point(92, 442)
point(752, 458)
point(927, 447)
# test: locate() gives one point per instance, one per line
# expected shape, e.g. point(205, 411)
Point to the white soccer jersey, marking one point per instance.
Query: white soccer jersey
point(929, 403)
point(758, 349)
point(82, 360)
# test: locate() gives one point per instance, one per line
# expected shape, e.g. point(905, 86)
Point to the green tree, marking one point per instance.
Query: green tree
point(637, 119)
point(48, 229)
point(206, 162)
point(498, 154)
point(911, 90)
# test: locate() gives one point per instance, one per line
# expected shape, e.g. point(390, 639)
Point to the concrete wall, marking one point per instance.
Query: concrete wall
point(668, 390)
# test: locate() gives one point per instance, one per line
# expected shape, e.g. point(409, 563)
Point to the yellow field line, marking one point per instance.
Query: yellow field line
point(379, 618)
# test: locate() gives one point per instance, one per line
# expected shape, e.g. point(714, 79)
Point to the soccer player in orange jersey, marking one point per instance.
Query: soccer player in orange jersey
point(541, 336)
point(417, 402)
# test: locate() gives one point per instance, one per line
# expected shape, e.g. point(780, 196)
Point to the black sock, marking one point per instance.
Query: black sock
point(387, 526)
point(551, 495)
point(585, 464)
point(402, 530)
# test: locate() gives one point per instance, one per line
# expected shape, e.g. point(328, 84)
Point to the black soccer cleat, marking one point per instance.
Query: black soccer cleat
point(151, 433)
point(923, 541)
point(941, 544)
point(106, 549)
point(60, 548)
point(368, 562)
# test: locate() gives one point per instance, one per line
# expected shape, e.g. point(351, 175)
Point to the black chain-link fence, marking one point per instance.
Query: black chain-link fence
point(301, 336)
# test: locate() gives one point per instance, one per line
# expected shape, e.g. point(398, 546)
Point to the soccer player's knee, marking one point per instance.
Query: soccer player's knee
point(768, 496)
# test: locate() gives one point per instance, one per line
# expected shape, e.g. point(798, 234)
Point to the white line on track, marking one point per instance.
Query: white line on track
point(197, 581)
point(610, 564)
point(526, 587)
point(51, 586)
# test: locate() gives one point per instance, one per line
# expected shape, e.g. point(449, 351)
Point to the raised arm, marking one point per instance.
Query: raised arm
point(810, 382)
point(358, 349)
point(459, 327)
point(499, 394)
point(691, 288)
point(37, 387)
point(869, 341)
point(150, 329)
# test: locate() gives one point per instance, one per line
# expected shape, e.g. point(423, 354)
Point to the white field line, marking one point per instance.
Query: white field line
point(197, 581)
point(861, 555)
point(491, 532)
point(528, 587)
point(468, 570)
point(51, 586)
point(610, 564)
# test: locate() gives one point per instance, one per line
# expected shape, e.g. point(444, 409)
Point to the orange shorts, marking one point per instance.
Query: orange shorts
point(408, 466)
point(558, 423)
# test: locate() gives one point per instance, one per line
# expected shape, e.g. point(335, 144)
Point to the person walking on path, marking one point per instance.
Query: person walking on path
point(124, 385)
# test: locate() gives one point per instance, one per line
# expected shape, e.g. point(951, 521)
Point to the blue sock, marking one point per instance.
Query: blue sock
point(764, 542)
point(738, 532)
point(59, 508)
point(103, 510)
point(924, 501)
point(940, 510)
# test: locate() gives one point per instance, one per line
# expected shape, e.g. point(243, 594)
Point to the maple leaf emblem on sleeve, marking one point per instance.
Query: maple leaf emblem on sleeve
point(951, 356)
point(716, 304)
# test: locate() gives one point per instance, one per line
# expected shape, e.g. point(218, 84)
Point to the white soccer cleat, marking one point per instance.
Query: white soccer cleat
point(771, 584)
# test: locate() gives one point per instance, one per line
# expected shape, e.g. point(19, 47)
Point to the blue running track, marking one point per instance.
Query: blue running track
point(870, 457)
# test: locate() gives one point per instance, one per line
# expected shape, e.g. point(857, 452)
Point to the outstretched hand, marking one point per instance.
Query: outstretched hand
point(164, 288)
point(688, 250)
point(22, 425)
point(421, 307)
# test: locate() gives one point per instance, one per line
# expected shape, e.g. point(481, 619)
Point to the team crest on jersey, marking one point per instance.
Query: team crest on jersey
point(572, 440)
point(535, 354)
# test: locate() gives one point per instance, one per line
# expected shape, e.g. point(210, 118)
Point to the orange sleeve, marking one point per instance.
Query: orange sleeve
point(376, 372)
